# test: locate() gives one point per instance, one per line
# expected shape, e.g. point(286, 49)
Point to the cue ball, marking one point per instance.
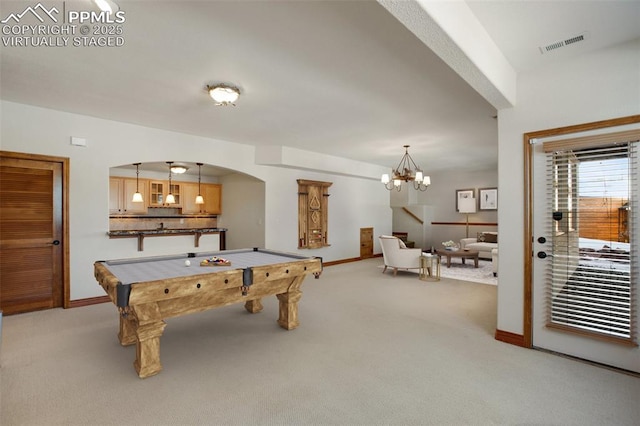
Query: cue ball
point(187, 263)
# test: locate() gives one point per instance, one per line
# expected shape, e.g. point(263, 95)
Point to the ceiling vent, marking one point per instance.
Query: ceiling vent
point(562, 43)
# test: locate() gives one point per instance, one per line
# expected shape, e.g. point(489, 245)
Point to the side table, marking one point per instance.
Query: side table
point(429, 267)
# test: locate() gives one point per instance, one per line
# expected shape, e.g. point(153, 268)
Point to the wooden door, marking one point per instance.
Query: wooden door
point(366, 242)
point(33, 253)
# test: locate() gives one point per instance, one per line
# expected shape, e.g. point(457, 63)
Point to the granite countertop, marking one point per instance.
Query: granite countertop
point(164, 231)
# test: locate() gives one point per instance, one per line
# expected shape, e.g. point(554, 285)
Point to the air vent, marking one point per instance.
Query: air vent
point(563, 43)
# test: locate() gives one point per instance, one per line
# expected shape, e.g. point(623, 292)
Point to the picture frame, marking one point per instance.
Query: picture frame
point(464, 193)
point(488, 198)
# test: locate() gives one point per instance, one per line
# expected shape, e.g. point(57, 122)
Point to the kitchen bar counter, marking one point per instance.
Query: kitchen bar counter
point(196, 232)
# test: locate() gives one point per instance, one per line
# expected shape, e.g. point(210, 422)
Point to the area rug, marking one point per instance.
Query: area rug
point(482, 274)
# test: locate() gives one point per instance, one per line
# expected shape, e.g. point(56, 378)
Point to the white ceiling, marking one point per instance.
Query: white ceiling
point(344, 78)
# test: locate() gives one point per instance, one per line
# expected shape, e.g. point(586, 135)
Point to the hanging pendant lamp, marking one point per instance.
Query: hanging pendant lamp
point(199, 199)
point(170, 198)
point(137, 196)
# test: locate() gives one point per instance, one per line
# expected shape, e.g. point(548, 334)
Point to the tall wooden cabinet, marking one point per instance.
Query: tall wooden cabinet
point(313, 213)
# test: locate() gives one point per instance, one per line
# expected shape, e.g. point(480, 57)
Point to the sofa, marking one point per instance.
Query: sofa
point(484, 243)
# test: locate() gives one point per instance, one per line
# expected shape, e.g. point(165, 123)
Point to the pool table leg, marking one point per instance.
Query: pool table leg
point(149, 329)
point(127, 333)
point(288, 318)
point(254, 306)
point(148, 349)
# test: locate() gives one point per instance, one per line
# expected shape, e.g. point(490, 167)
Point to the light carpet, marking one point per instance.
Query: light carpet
point(371, 349)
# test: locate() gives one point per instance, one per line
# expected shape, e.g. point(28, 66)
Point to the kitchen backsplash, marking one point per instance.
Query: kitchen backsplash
point(130, 224)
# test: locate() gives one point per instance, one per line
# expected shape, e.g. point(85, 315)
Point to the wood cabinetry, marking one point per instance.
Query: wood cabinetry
point(121, 192)
point(154, 193)
point(313, 213)
point(158, 191)
point(212, 194)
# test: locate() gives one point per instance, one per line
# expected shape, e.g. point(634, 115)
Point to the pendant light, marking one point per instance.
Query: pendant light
point(170, 198)
point(199, 199)
point(137, 197)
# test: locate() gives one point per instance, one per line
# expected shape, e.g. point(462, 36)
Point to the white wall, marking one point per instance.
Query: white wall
point(354, 202)
point(597, 86)
point(243, 200)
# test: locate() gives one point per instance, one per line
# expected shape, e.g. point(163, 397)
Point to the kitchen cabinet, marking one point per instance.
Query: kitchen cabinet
point(121, 192)
point(158, 191)
point(212, 194)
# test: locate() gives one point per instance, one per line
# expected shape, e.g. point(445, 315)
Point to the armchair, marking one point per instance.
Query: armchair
point(397, 256)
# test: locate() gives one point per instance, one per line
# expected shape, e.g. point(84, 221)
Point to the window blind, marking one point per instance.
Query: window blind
point(592, 192)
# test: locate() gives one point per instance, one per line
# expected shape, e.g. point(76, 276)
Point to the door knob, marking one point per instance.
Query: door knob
point(542, 255)
point(56, 242)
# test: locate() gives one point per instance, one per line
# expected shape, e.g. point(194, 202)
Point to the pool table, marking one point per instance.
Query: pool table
point(148, 290)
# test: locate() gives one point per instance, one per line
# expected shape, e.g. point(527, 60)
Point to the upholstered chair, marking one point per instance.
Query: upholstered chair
point(397, 256)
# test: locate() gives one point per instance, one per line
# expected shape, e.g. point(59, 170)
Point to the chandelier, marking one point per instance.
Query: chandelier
point(406, 171)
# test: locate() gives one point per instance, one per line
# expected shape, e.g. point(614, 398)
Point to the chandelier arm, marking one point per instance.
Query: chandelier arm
point(402, 164)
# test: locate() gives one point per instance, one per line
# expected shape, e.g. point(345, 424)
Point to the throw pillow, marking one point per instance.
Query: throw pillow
point(402, 244)
point(490, 238)
point(481, 237)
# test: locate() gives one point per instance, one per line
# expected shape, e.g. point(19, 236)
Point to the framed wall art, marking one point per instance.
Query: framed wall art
point(488, 198)
point(464, 193)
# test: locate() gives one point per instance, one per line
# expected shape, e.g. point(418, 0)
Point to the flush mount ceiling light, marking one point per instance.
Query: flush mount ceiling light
point(224, 95)
point(179, 169)
point(406, 171)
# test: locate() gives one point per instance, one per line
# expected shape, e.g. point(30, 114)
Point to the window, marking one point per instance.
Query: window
point(592, 193)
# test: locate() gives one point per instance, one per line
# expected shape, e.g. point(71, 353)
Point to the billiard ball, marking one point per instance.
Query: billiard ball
point(187, 263)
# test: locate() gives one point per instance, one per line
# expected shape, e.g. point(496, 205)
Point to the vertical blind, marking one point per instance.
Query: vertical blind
point(591, 276)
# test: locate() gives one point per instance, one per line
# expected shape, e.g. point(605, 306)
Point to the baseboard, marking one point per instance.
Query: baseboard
point(511, 338)
point(89, 301)
point(352, 259)
point(338, 262)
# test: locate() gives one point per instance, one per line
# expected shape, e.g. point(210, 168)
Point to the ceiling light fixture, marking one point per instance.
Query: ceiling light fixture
point(224, 95)
point(405, 172)
point(137, 196)
point(179, 169)
point(199, 199)
point(170, 198)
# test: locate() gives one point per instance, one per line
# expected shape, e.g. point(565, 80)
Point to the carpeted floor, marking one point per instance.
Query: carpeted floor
point(371, 349)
